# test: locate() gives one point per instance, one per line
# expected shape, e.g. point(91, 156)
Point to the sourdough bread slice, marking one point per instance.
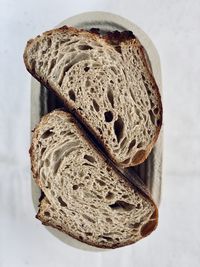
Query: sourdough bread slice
point(85, 196)
point(106, 82)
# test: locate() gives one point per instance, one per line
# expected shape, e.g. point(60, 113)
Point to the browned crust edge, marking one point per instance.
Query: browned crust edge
point(135, 184)
point(109, 38)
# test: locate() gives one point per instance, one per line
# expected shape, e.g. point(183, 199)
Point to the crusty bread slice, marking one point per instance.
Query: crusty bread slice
point(106, 82)
point(85, 196)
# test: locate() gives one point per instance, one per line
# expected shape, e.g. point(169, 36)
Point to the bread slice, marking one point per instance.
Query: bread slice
point(106, 82)
point(85, 196)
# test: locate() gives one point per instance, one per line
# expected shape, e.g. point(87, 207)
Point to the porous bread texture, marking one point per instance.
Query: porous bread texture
point(104, 81)
point(85, 197)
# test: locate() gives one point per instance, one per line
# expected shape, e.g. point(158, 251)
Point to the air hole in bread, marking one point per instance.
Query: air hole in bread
point(63, 132)
point(68, 41)
point(57, 45)
point(145, 117)
point(132, 95)
point(123, 142)
point(148, 91)
point(109, 195)
point(52, 209)
point(88, 218)
point(62, 203)
point(86, 69)
point(109, 220)
point(156, 111)
point(32, 63)
point(96, 106)
point(87, 164)
point(72, 95)
point(42, 150)
point(81, 173)
point(88, 234)
point(126, 161)
point(122, 205)
point(143, 77)
point(75, 187)
point(110, 97)
point(96, 65)
point(108, 169)
point(84, 47)
point(119, 128)
point(48, 185)
point(49, 42)
point(134, 225)
point(62, 212)
point(46, 213)
point(52, 193)
point(58, 226)
point(47, 133)
point(98, 77)
point(89, 158)
point(118, 49)
point(40, 64)
point(114, 70)
point(131, 145)
point(71, 50)
point(52, 64)
point(91, 194)
point(140, 144)
point(125, 196)
point(107, 238)
point(92, 90)
point(100, 182)
point(80, 237)
point(111, 81)
point(108, 116)
point(152, 116)
point(158, 122)
point(47, 162)
point(137, 111)
point(87, 83)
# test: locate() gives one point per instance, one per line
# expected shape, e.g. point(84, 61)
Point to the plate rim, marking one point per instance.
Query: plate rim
point(152, 52)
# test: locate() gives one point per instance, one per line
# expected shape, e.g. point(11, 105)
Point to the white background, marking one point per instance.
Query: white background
point(174, 27)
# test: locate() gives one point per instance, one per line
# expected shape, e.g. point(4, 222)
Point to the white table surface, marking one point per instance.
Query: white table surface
point(174, 26)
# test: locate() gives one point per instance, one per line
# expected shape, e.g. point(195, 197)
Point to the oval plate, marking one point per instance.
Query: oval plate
point(43, 101)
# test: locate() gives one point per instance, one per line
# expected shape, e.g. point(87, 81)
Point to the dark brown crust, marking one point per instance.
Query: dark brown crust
point(116, 37)
point(110, 38)
point(135, 183)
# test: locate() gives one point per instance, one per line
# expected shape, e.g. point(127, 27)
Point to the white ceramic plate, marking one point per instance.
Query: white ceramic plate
point(42, 101)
